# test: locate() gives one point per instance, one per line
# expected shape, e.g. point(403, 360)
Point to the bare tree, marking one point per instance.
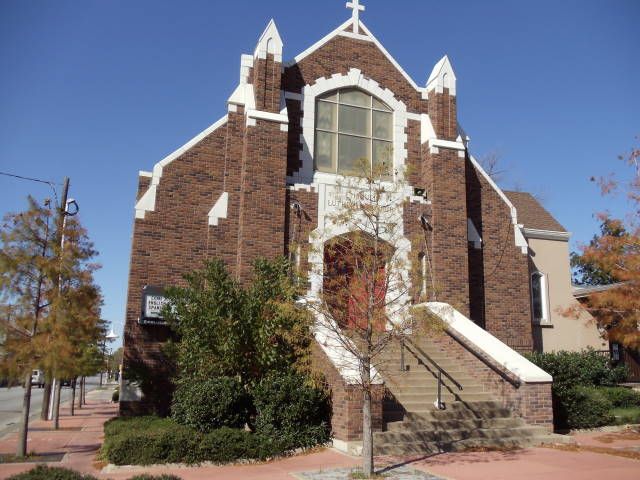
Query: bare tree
point(361, 277)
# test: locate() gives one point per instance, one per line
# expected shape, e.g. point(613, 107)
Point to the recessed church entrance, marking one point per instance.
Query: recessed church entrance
point(355, 280)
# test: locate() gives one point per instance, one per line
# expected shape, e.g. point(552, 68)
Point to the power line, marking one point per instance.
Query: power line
point(46, 182)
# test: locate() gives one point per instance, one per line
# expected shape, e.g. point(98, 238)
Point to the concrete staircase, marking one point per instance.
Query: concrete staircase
point(471, 418)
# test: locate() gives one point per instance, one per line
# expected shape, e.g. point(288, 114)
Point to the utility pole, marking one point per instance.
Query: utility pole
point(54, 397)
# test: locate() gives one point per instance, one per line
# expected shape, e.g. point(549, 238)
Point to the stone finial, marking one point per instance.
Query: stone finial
point(442, 76)
point(270, 42)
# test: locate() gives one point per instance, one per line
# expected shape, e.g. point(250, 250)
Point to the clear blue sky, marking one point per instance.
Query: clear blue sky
point(98, 90)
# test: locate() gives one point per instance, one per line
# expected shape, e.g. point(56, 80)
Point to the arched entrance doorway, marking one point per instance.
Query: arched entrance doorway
point(355, 280)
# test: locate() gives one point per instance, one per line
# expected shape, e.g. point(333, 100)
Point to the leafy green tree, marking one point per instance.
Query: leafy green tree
point(224, 329)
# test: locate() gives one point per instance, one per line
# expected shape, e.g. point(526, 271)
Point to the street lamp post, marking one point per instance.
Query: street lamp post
point(108, 337)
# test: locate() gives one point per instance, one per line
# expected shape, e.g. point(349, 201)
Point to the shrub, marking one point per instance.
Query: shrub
point(211, 403)
point(115, 396)
point(572, 369)
point(43, 472)
point(149, 440)
point(621, 396)
point(291, 413)
point(584, 407)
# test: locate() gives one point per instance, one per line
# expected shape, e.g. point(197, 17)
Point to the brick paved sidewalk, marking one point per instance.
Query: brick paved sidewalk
point(81, 436)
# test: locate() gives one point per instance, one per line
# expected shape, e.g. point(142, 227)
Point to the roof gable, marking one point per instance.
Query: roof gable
point(346, 30)
point(531, 214)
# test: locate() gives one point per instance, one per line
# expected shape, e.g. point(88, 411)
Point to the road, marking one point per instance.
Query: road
point(11, 403)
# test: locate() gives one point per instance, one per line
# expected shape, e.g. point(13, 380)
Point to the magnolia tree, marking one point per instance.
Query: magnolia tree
point(614, 256)
point(361, 277)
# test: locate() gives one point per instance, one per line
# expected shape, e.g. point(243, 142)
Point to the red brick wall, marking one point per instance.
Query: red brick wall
point(502, 266)
point(531, 401)
point(444, 173)
point(347, 400)
point(262, 196)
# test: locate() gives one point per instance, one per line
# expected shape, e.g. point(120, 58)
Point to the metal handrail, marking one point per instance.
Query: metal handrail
point(418, 352)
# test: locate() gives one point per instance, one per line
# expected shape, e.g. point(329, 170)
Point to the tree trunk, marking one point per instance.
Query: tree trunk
point(84, 390)
point(73, 396)
point(367, 431)
point(24, 421)
point(46, 396)
point(56, 405)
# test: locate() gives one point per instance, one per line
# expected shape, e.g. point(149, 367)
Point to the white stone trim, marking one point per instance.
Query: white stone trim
point(353, 447)
point(442, 76)
point(272, 117)
point(269, 42)
point(147, 202)
point(356, 36)
point(435, 142)
point(489, 345)
point(514, 213)
point(302, 55)
point(546, 234)
point(143, 173)
point(521, 241)
point(219, 209)
point(243, 95)
point(473, 235)
point(354, 78)
point(427, 132)
point(345, 362)
point(340, 31)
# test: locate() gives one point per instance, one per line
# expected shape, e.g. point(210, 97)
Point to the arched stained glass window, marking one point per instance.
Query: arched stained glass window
point(354, 134)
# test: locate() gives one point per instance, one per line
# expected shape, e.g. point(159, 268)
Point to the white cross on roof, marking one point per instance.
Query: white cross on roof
point(357, 8)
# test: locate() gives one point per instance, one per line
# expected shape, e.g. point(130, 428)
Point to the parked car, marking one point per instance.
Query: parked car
point(37, 378)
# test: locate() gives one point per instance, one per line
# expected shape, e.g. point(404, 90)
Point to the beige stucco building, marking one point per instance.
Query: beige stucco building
point(550, 279)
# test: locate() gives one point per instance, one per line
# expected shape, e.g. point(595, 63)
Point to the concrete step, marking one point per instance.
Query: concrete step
point(455, 424)
point(431, 389)
point(417, 404)
point(430, 413)
point(455, 435)
point(426, 448)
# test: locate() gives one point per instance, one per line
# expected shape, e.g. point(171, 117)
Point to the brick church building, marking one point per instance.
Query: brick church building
point(292, 130)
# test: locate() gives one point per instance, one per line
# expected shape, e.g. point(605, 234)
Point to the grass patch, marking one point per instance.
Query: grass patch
point(31, 458)
point(626, 415)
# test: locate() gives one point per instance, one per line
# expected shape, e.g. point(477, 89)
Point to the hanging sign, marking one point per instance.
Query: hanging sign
point(153, 301)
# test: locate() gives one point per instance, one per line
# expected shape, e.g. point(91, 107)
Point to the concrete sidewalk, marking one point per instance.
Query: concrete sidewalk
point(80, 437)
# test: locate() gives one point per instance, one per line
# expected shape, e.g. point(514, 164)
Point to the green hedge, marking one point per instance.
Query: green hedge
point(150, 440)
point(43, 472)
point(583, 387)
point(585, 407)
point(573, 369)
point(210, 403)
point(291, 411)
point(621, 397)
